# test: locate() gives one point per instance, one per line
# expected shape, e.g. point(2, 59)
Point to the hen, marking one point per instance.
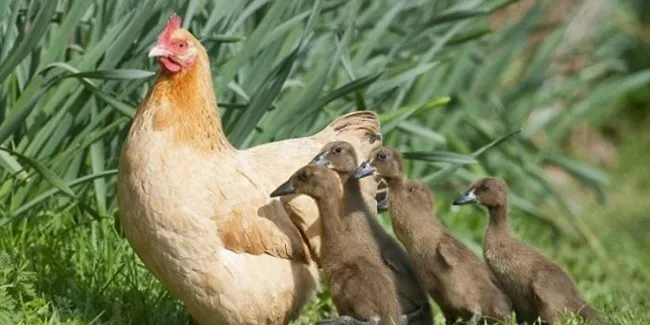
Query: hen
point(197, 211)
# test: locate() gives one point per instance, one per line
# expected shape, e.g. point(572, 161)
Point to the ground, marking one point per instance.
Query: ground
point(57, 269)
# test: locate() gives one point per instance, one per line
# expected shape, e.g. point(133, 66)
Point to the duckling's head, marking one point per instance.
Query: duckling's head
point(315, 181)
point(385, 162)
point(490, 192)
point(419, 195)
point(337, 155)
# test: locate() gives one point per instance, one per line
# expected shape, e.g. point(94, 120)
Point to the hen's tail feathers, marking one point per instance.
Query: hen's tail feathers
point(591, 314)
point(361, 129)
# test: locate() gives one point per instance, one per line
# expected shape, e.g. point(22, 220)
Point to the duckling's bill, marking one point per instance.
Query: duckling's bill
point(466, 198)
point(365, 169)
point(320, 160)
point(285, 189)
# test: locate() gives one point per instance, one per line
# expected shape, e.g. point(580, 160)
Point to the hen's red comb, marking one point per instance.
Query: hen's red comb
point(173, 23)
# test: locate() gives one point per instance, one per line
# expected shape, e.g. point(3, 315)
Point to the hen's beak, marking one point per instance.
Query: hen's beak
point(284, 189)
point(157, 51)
point(364, 170)
point(466, 198)
point(320, 160)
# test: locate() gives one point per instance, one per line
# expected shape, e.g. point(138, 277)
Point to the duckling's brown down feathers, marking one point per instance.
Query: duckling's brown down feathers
point(536, 285)
point(457, 280)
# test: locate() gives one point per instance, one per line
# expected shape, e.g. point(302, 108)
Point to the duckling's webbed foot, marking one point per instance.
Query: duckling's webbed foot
point(347, 320)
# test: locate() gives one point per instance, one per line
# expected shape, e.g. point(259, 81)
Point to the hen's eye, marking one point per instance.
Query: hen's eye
point(338, 149)
point(181, 44)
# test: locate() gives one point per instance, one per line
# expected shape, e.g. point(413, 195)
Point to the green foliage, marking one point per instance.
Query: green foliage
point(444, 84)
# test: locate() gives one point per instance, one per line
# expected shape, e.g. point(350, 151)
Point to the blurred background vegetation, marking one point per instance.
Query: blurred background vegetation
point(449, 79)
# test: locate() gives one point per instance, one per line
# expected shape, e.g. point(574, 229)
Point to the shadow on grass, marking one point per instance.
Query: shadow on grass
point(89, 275)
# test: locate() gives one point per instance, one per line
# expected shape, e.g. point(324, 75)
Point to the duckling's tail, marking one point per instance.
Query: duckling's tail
point(591, 314)
point(361, 129)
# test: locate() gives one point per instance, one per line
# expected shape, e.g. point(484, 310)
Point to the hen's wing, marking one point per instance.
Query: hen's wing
point(273, 163)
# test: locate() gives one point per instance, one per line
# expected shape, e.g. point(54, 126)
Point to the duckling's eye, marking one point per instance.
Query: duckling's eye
point(382, 156)
point(338, 150)
point(411, 189)
point(484, 187)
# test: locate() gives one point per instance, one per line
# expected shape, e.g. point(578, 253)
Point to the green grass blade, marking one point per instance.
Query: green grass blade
point(13, 215)
point(444, 173)
point(392, 119)
point(37, 31)
point(439, 156)
point(45, 172)
point(262, 99)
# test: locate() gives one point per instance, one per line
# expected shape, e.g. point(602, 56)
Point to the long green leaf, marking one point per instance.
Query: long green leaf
point(46, 173)
point(439, 156)
point(19, 52)
point(444, 173)
point(13, 215)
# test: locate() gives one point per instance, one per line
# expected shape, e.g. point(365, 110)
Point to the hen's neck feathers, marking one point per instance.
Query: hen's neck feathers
point(186, 103)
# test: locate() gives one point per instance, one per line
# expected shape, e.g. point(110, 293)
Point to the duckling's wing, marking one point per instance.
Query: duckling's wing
point(449, 253)
point(554, 291)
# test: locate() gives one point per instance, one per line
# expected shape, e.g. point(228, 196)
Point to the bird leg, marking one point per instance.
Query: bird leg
point(476, 318)
point(191, 320)
point(414, 315)
point(347, 320)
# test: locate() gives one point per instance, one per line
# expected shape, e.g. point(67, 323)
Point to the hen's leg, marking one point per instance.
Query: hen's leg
point(191, 321)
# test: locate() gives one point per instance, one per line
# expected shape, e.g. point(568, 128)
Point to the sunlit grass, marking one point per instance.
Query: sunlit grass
point(64, 273)
point(72, 73)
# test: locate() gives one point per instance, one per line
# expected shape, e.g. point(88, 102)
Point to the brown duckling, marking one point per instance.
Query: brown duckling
point(340, 156)
point(456, 278)
point(537, 286)
point(360, 285)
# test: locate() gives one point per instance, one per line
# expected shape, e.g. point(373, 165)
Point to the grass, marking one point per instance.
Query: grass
point(443, 83)
point(85, 273)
